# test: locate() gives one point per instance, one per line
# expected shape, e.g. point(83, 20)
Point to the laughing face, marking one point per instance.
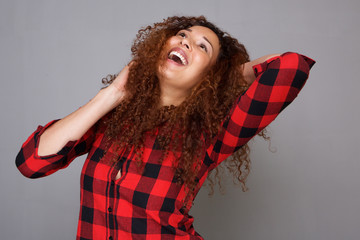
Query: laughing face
point(190, 53)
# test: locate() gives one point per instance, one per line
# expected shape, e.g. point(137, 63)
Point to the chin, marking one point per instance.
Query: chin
point(164, 71)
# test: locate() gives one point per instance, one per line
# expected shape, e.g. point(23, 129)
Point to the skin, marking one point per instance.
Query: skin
point(176, 82)
point(201, 47)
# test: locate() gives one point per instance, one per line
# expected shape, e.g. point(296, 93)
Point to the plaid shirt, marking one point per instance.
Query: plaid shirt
point(148, 206)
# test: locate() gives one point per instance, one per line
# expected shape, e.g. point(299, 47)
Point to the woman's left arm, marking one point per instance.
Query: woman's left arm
point(278, 80)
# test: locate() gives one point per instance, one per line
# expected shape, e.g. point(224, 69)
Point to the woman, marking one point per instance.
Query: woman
point(188, 100)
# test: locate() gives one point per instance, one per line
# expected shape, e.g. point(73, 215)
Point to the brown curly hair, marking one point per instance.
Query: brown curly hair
point(186, 128)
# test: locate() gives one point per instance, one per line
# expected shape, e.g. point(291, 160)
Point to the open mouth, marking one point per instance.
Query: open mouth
point(177, 57)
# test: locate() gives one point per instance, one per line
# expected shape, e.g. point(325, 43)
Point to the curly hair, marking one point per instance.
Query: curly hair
point(184, 129)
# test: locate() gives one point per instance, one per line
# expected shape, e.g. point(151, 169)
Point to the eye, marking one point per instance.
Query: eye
point(203, 47)
point(182, 34)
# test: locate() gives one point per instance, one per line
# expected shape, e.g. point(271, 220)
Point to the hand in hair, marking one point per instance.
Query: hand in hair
point(117, 87)
point(75, 125)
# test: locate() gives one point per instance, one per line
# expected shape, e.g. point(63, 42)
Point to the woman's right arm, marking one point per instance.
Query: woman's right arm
point(75, 125)
point(55, 145)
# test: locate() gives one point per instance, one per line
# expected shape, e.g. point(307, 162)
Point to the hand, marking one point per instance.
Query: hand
point(115, 92)
point(121, 79)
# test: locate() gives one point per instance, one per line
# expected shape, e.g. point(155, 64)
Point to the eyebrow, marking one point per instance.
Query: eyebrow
point(190, 30)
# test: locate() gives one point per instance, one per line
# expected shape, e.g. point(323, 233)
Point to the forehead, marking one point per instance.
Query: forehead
point(209, 35)
point(205, 32)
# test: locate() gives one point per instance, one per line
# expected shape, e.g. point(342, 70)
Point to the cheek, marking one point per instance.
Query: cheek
point(171, 41)
point(202, 63)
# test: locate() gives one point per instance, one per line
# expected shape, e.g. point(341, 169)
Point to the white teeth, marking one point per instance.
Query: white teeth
point(179, 55)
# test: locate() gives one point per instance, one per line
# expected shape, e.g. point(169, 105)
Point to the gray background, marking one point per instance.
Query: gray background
point(54, 53)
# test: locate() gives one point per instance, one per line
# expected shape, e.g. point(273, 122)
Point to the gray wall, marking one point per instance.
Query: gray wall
point(54, 53)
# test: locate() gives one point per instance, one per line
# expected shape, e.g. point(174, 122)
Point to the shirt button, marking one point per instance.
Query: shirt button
point(112, 182)
point(110, 209)
point(110, 238)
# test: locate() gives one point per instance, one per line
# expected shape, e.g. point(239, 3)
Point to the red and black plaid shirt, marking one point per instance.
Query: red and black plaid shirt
point(149, 205)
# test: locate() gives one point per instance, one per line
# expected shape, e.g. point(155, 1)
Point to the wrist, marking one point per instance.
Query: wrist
point(109, 97)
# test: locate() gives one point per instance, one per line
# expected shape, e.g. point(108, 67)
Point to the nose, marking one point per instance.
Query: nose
point(186, 43)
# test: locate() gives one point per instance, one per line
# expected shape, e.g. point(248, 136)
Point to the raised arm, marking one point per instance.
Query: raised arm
point(55, 145)
point(75, 125)
point(278, 81)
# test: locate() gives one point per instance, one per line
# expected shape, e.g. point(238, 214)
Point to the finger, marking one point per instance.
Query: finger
point(131, 63)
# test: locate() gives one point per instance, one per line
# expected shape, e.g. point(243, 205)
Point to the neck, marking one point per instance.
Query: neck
point(171, 96)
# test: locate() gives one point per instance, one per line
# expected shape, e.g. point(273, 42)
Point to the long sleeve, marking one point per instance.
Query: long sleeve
point(31, 165)
point(278, 82)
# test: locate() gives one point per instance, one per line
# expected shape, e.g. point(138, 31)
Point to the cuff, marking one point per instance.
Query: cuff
point(63, 151)
point(260, 68)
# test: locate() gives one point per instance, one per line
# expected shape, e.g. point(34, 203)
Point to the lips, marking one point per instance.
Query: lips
point(178, 55)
